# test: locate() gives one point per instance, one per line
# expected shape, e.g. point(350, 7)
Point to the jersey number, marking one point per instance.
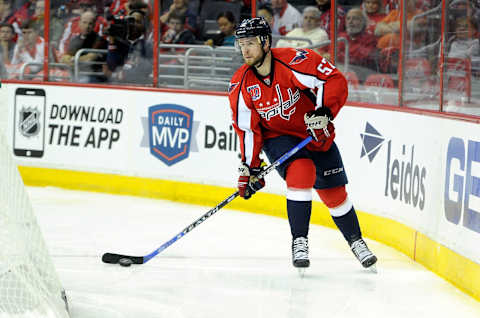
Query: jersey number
point(325, 69)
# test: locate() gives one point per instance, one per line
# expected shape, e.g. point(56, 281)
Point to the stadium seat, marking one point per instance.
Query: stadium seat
point(380, 80)
point(459, 75)
point(417, 68)
point(418, 76)
point(352, 79)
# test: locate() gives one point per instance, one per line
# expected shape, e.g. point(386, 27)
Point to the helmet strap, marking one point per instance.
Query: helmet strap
point(262, 43)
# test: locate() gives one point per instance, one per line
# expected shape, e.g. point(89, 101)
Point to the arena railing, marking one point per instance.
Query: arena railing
point(198, 64)
point(77, 64)
point(34, 71)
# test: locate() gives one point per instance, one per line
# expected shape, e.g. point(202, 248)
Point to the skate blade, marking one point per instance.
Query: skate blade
point(373, 269)
point(301, 272)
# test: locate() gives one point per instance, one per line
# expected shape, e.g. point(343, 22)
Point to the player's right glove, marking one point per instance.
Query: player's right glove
point(248, 183)
point(317, 122)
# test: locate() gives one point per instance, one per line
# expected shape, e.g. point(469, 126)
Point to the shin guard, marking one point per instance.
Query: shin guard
point(299, 217)
point(349, 226)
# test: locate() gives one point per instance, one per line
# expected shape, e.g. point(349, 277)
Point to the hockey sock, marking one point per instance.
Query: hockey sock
point(348, 225)
point(299, 217)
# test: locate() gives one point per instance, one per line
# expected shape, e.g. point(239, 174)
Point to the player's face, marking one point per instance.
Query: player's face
point(251, 50)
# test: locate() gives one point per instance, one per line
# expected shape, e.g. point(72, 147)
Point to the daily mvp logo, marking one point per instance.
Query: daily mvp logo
point(404, 179)
point(170, 131)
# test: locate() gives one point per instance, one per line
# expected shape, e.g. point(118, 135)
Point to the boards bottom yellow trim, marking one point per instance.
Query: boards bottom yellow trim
point(455, 268)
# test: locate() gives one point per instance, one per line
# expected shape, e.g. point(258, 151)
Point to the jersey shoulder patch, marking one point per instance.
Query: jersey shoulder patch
point(292, 56)
point(300, 56)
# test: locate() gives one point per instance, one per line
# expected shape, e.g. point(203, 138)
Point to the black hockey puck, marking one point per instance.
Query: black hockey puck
point(125, 262)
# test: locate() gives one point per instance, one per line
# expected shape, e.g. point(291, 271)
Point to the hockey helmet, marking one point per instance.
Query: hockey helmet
point(254, 27)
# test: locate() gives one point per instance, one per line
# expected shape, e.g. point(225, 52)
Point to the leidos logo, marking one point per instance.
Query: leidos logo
point(462, 183)
point(404, 180)
point(170, 129)
point(372, 141)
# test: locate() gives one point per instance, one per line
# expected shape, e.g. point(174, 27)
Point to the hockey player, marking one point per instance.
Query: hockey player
point(278, 97)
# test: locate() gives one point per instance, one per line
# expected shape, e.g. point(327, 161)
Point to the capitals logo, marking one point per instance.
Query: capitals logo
point(232, 86)
point(300, 56)
point(255, 92)
point(170, 130)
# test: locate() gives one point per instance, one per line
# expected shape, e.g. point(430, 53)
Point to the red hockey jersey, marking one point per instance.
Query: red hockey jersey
point(262, 108)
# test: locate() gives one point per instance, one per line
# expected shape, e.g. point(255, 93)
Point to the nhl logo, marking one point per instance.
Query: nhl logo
point(170, 128)
point(29, 122)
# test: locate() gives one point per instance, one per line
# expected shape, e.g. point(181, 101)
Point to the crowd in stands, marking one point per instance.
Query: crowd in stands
point(122, 31)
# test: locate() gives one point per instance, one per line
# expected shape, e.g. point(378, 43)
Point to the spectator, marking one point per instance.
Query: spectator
point(310, 30)
point(129, 58)
point(38, 8)
point(116, 5)
point(461, 8)
point(362, 44)
point(180, 7)
point(128, 6)
point(374, 11)
point(265, 11)
point(121, 7)
point(226, 24)
point(388, 29)
point(177, 32)
point(29, 48)
point(87, 39)
point(285, 17)
point(6, 11)
point(57, 23)
point(465, 42)
point(7, 45)
point(72, 28)
point(390, 5)
point(324, 7)
point(12, 17)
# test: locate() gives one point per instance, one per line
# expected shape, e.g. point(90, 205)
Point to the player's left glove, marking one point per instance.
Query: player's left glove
point(248, 183)
point(317, 122)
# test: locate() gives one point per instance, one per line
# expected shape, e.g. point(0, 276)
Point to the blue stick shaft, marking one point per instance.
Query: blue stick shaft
point(266, 171)
point(114, 258)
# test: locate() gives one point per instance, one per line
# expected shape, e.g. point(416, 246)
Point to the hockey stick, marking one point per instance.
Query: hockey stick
point(126, 260)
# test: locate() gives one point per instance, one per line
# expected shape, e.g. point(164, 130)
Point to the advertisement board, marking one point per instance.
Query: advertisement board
point(421, 171)
point(181, 137)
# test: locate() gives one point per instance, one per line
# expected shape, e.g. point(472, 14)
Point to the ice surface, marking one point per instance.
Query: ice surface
point(235, 264)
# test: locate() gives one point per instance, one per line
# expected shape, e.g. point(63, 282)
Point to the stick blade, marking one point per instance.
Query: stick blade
point(111, 258)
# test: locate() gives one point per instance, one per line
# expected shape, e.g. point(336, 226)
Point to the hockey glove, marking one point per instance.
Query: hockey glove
point(317, 122)
point(248, 183)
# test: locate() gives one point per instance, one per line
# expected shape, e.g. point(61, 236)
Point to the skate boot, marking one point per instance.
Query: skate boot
point(300, 252)
point(363, 254)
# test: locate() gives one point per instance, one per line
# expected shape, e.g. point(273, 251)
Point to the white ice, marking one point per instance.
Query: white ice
point(235, 264)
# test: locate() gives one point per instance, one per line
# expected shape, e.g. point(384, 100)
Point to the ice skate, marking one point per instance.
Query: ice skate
point(300, 254)
point(364, 255)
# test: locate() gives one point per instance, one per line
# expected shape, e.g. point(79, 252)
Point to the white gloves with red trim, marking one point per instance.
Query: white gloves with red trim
point(317, 122)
